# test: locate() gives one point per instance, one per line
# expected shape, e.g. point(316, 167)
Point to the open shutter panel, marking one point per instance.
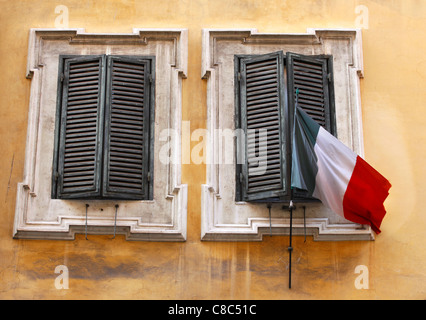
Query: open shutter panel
point(80, 139)
point(313, 77)
point(263, 123)
point(310, 75)
point(127, 128)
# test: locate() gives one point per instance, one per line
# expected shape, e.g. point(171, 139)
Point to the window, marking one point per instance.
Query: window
point(233, 210)
point(265, 102)
point(126, 187)
point(103, 128)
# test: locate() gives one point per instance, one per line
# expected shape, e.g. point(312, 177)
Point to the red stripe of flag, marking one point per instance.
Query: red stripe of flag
point(364, 197)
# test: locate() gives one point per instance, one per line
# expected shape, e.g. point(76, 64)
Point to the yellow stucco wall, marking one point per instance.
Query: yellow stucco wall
point(394, 121)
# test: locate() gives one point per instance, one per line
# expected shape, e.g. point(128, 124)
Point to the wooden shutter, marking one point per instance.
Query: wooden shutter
point(263, 173)
point(313, 76)
point(80, 136)
point(127, 130)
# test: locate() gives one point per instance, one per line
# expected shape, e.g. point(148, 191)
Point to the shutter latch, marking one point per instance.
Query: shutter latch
point(329, 77)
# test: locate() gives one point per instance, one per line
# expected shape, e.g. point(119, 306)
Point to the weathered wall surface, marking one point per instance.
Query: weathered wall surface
point(393, 103)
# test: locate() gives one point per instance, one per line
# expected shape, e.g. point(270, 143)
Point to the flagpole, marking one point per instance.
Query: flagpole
point(291, 207)
point(290, 248)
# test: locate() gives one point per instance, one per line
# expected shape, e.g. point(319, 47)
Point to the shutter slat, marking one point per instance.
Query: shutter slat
point(128, 89)
point(82, 105)
point(127, 102)
point(82, 115)
point(124, 135)
point(126, 169)
point(82, 84)
point(307, 65)
point(128, 185)
point(138, 120)
point(260, 88)
point(77, 170)
point(84, 68)
point(131, 66)
point(257, 115)
point(127, 152)
point(126, 81)
point(78, 77)
point(270, 63)
point(255, 112)
point(134, 163)
point(117, 82)
point(262, 124)
point(129, 93)
point(82, 96)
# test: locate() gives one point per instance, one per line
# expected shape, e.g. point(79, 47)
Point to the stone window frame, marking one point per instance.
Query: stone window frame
point(37, 216)
point(223, 218)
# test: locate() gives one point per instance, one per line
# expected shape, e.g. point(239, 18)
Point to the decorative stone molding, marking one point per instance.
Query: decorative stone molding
point(38, 216)
point(224, 219)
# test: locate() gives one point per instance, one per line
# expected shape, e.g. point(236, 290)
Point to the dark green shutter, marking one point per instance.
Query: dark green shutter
point(127, 128)
point(261, 93)
point(81, 128)
point(313, 76)
point(103, 140)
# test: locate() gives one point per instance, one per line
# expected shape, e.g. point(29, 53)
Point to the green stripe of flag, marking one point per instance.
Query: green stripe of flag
point(304, 160)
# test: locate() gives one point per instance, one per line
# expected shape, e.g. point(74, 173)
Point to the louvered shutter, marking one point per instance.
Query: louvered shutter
point(313, 76)
point(263, 173)
point(127, 128)
point(80, 136)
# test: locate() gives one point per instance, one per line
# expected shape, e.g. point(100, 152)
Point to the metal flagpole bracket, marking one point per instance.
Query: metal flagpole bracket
point(290, 206)
point(86, 221)
point(269, 206)
point(115, 220)
point(304, 221)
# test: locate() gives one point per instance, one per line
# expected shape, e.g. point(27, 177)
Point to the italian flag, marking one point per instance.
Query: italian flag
point(334, 174)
